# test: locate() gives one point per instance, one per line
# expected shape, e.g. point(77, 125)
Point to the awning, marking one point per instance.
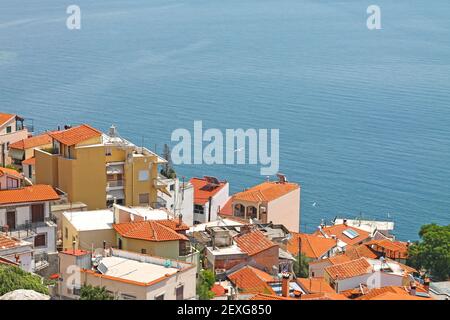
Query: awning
point(114, 169)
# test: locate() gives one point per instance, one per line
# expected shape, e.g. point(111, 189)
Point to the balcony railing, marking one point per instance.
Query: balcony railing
point(28, 228)
point(114, 183)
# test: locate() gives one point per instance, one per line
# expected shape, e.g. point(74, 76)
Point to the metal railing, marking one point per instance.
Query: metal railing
point(114, 183)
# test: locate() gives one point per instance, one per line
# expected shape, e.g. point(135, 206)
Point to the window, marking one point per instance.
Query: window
point(30, 171)
point(199, 209)
point(160, 297)
point(172, 187)
point(66, 233)
point(127, 296)
point(143, 175)
point(179, 292)
point(40, 240)
point(76, 291)
point(12, 183)
point(144, 198)
point(108, 151)
point(37, 212)
point(239, 210)
point(8, 129)
point(144, 251)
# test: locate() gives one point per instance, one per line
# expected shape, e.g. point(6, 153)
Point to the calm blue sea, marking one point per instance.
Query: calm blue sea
point(364, 116)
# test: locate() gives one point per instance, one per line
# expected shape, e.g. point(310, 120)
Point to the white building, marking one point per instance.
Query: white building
point(180, 200)
point(210, 195)
point(128, 276)
point(25, 214)
point(17, 251)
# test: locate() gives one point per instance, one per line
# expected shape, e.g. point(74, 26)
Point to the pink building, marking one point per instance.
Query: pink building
point(270, 201)
point(11, 130)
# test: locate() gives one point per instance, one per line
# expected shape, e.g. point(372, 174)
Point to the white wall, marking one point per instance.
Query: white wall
point(167, 287)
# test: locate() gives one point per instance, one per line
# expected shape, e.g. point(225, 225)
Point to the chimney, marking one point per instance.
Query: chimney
point(73, 246)
point(413, 289)
point(285, 285)
point(180, 219)
point(426, 284)
point(345, 222)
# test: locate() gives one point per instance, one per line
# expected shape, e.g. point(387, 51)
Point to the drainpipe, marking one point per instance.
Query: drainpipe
point(209, 208)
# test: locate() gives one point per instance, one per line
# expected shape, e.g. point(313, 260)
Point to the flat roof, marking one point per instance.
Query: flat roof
point(146, 212)
point(90, 220)
point(233, 249)
point(217, 223)
point(133, 270)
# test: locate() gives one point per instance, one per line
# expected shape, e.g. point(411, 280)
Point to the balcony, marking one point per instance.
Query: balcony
point(28, 228)
point(114, 184)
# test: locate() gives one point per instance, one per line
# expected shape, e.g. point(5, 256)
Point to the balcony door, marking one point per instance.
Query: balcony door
point(37, 212)
point(11, 219)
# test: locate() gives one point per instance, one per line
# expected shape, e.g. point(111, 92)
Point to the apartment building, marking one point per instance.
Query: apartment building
point(270, 201)
point(12, 129)
point(99, 169)
point(10, 179)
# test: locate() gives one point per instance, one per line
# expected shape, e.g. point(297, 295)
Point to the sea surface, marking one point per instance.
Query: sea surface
point(364, 116)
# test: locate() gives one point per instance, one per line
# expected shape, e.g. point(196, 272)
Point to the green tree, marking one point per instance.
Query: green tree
point(94, 293)
point(205, 283)
point(301, 266)
point(167, 168)
point(13, 278)
point(432, 252)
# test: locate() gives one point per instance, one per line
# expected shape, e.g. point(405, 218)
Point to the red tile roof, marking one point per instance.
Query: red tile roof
point(38, 192)
point(313, 246)
point(5, 117)
point(359, 251)
point(75, 135)
point(397, 296)
point(323, 296)
point(8, 242)
point(76, 252)
point(218, 290)
point(349, 269)
point(201, 190)
point(150, 230)
point(31, 161)
point(393, 249)
point(249, 281)
point(262, 296)
point(227, 210)
point(253, 242)
point(314, 285)
point(266, 191)
point(10, 172)
point(338, 231)
point(174, 224)
point(8, 262)
point(32, 142)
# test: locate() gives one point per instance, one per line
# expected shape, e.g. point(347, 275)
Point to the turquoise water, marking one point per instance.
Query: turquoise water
point(363, 115)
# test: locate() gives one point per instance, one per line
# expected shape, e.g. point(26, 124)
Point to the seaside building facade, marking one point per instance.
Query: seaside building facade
point(12, 129)
point(99, 169)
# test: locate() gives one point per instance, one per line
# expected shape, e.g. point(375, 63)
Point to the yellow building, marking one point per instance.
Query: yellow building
point(98, 169)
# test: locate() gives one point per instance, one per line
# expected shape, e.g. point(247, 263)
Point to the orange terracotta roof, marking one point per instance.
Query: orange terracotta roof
point(173, 224)
point(396, 249)
point(314, 285)
point(201, 190)
point(150, 230)
point(10, 172)
point(339, 258)
point(249, 281)
point(75, 135)
point(349, 269)
point(227, 210)
point(218, 290)
point(38, 192)
point(323, 296)
point(8, 242)
point(32, 142)
point(359, 251)
point(397, 296)
point(266, 191)
point(31, 161)
point(5, 117)
point(338, 230)
point(262, 296)
point(253, 242)
point(313, 246)
point(8, 262)
point(75, 252)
